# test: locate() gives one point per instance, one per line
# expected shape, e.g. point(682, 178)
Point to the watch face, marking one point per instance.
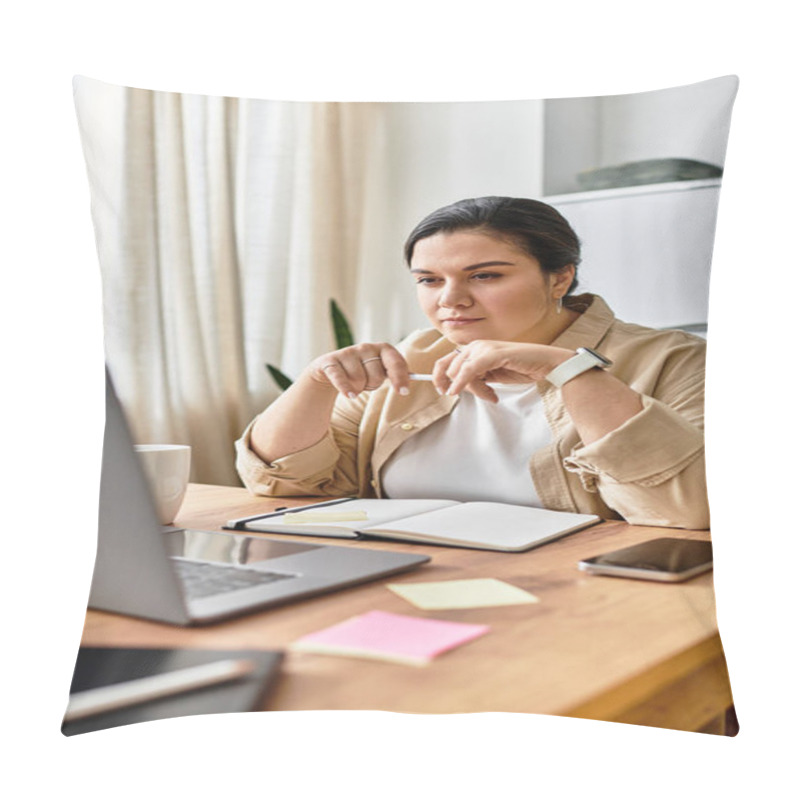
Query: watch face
point(600, 359)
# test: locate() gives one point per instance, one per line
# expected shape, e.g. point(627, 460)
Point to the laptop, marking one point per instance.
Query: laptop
point(190, 577)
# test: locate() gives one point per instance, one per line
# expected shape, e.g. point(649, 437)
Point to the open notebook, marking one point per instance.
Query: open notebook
point(480, 525)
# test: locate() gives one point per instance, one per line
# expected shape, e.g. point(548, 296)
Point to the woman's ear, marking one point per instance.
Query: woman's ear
point(561, 281)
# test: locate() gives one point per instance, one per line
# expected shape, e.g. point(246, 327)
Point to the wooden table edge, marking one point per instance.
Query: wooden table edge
point(690, 691)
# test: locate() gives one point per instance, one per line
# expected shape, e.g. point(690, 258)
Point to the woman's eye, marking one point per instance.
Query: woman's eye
point(423, 280)
point(485, 276)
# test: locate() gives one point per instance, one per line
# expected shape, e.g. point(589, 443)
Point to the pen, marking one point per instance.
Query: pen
point(141, 690)
point(418, 376)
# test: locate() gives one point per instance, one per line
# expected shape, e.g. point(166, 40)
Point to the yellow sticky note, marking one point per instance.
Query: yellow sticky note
point(469, 593)
point(300, 517)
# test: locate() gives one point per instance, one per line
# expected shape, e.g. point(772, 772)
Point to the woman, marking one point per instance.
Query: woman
point(514, 412)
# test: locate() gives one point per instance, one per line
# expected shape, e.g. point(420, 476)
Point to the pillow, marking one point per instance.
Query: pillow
point(239, 234)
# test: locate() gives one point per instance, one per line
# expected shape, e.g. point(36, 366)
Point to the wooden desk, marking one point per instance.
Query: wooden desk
point(594, 647)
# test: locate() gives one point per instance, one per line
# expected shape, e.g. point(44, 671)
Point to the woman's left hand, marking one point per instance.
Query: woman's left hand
point(471, 366)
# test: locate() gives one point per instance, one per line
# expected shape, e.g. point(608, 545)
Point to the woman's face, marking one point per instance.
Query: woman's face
point(472, 285)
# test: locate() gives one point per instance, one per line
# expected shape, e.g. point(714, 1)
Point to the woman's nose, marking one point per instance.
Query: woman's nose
point(453, 295)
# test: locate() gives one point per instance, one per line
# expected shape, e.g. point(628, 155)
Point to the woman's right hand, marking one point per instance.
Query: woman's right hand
point(360, 368)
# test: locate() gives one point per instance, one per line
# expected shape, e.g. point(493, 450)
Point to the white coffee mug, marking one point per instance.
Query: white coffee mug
point(167, 469)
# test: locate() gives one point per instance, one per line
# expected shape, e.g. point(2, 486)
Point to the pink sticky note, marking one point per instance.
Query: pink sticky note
point(393, 637)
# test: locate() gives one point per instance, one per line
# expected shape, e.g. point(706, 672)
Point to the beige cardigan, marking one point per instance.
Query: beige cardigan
point(649, 471)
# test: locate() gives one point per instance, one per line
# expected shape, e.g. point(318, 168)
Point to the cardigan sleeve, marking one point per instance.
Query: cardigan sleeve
point(326, 468)
point(651, 470)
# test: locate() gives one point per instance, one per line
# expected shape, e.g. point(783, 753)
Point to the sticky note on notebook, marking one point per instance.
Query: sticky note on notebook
point(390, 637)
point(470, 593)
point(300, 517)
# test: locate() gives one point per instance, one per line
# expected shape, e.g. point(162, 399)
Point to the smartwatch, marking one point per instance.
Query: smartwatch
point(583, 360)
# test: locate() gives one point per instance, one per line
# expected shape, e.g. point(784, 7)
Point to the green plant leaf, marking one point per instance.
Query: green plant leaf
point(284, 381)
point(341, 328)
point(341, 332)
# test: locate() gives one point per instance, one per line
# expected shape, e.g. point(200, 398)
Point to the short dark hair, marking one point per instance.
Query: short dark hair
point(536, 227)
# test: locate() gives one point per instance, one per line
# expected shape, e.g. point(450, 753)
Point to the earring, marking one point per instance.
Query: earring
point(559, 305)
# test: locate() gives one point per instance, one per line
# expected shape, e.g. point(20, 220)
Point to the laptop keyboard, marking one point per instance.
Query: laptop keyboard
point(202, 579)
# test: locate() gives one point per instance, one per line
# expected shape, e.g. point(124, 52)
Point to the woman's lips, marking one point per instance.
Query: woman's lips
point(458, 321)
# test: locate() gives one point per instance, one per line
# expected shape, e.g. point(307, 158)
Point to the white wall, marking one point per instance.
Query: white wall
point(443, 152)
point(647, 249)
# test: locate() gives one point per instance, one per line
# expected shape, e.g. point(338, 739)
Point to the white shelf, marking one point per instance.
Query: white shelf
point(647, 249)
point(633, 191)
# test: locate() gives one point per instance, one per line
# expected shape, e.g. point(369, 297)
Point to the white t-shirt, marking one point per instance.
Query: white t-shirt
point(479, 452)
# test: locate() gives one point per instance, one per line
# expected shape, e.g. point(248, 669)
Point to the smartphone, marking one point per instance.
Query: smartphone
point(664, 559)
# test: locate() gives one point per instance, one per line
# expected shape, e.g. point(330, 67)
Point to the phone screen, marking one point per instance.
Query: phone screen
point(665, 555)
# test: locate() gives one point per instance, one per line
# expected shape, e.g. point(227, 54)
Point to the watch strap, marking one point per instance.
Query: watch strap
point(581, 362)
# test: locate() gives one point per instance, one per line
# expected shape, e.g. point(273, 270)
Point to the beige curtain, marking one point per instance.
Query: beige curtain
point(224, 227)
